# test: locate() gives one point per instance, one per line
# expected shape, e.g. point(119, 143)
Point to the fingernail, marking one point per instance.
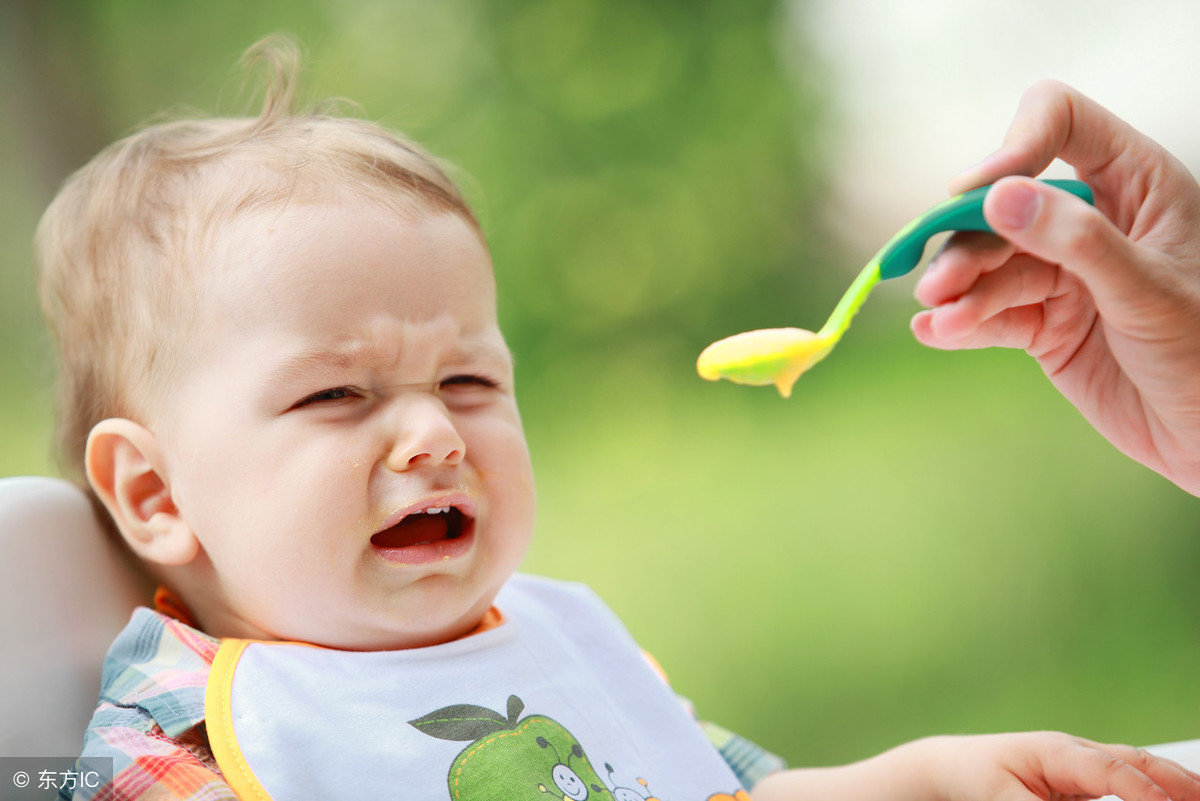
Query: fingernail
point(1016, 206)
point(968, 178)
point(979, 165)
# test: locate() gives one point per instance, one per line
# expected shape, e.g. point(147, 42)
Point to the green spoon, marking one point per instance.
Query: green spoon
point(779, 355)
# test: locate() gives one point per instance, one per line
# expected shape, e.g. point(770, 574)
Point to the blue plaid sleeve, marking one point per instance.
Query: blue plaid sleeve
point(750, 762)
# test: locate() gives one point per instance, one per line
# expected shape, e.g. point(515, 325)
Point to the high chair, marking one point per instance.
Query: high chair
point(65, 593)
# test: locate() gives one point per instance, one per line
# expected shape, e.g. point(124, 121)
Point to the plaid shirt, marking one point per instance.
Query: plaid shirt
point(150, 719)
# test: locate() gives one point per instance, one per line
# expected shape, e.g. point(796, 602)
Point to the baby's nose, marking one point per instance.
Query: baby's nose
point(426, 436)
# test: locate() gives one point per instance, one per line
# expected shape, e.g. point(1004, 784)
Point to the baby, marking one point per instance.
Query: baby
point(282, 373)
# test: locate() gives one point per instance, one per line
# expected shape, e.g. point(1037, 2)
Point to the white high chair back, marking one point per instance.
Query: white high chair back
point(65, 592)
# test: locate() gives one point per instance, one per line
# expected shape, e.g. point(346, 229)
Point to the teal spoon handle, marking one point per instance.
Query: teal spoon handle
point(960, 213)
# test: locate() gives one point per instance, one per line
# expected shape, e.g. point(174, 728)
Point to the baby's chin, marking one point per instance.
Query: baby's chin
point(393, 641)
point(436, 629)
point(428, 610)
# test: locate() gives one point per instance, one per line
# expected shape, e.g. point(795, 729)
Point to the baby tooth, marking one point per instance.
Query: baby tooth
point(437, 510)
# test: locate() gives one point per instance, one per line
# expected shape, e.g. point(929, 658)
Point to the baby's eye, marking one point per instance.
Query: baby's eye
point(327, 396)
point(468, 381)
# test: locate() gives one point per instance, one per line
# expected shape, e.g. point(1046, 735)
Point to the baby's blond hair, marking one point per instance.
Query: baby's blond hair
point(116, 246)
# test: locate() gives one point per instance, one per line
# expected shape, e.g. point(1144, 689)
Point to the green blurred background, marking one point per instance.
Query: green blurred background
point(916, 542)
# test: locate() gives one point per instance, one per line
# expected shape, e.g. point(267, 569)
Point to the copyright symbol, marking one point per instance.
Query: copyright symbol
point(21, 778)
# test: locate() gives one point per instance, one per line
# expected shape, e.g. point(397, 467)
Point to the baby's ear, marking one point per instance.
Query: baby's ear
point(125, 468)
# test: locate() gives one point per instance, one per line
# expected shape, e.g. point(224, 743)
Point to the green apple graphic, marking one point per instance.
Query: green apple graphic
point(511, 758)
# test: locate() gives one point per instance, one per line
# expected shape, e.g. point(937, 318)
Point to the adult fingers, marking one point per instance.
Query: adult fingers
point(958, 265)
point(1057, 227)
point(1012, 328)
point(1023, 280)
point(1052, 121)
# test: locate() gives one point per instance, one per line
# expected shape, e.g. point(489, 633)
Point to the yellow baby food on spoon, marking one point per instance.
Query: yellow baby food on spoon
point(768, 356)
point(779, 356)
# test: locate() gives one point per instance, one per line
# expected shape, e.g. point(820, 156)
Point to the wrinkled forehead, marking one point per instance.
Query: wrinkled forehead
point(245, 215)
point(346, 281)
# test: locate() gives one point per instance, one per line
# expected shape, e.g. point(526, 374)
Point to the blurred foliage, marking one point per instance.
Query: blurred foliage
point(915, 542)
point(624, 156)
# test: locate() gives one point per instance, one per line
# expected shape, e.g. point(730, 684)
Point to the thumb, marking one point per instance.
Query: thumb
point(1059, 228)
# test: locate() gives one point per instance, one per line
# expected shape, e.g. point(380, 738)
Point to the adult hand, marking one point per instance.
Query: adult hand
point(1107, 299)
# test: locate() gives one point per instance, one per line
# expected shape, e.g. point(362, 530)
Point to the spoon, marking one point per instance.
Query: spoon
point(779, 355)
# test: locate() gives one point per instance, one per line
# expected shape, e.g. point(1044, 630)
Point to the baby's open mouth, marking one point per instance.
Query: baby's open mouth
point(432, 525)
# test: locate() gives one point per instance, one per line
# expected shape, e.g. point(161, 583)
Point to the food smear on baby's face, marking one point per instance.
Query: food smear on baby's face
point(775, 356)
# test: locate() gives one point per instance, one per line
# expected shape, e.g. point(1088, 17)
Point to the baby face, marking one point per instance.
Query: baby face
point(345, 442)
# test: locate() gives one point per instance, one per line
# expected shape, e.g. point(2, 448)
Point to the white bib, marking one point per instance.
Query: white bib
point(557, 702)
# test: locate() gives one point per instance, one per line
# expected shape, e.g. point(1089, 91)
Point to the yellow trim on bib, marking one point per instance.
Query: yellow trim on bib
point(219, 715)
point(218, 708)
